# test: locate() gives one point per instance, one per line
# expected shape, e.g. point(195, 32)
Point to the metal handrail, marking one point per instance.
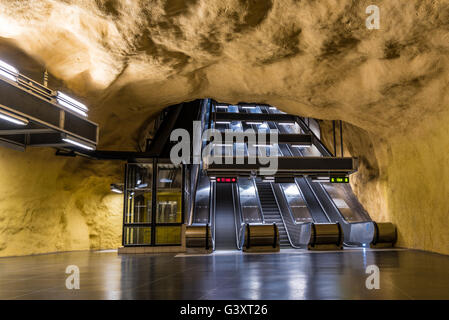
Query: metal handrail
point(212, 205)
point(238, 216)
point(258, 200)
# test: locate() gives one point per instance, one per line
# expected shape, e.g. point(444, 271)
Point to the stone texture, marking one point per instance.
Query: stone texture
point(129, 59)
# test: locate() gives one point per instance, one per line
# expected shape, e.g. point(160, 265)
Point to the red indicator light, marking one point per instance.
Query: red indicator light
point(224, 180)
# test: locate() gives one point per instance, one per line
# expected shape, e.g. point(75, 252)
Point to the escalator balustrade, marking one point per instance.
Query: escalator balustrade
point(385, 235)
point(326, 236)
point(261, 238)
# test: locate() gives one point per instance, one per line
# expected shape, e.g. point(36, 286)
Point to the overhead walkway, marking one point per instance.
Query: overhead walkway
point(33, 115)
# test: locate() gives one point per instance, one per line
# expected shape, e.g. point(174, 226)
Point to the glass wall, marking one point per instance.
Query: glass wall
point(153, 211)
point(138, 204)
point(169, 204)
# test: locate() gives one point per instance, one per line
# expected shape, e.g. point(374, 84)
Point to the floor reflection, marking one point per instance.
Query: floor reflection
point(293, 274)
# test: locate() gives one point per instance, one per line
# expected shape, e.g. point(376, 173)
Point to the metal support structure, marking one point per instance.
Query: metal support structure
point(154, 203)
point(286, 166)
point(44, 114)
point(335, 140)
point(341, 137)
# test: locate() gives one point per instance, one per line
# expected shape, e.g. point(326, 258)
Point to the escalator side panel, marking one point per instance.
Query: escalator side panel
point(316, 211)
point(354, 233)
point(201, 211)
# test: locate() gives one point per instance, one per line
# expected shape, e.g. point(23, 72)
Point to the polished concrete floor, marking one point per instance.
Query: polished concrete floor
point(292, 274)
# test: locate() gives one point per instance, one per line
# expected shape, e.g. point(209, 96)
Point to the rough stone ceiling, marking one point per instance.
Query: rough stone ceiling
point(311, 57)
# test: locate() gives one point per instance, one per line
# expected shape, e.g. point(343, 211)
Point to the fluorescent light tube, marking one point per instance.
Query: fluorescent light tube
point(8, 75)
point(222, 145)
point(8, 67)
point(69, 106)
point(7, 71)
point(256, 123)
point(13, 118)
point(263, 145)
point(72, 101)
point(300, 145)
point(78, 144)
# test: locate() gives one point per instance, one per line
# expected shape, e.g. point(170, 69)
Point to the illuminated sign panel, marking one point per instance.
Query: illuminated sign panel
point(226, 180)
point(339, 179)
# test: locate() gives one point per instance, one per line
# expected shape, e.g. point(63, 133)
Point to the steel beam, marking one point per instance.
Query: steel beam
point(283, 138)
point(287, 166)
point(275, 117)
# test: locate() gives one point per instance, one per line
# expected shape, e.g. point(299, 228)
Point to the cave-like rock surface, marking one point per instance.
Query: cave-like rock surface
point(128, 59)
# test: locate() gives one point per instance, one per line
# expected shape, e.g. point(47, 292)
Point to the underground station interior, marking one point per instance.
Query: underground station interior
point(219, 180)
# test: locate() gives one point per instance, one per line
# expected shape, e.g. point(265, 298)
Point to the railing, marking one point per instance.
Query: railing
point(60, 100)
point(262, 218)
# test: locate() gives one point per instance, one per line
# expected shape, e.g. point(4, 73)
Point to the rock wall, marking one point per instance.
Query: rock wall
point(129, 59)
point(52, 204)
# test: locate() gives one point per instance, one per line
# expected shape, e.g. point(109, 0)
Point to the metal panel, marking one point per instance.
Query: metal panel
point(248, 201)
point(80, 127)
point(300, 139)
point(28, 104)
point(290, 165)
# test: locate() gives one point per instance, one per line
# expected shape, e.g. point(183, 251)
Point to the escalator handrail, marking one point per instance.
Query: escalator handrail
point(212, 205)
point(238, 217)
point(256, 191)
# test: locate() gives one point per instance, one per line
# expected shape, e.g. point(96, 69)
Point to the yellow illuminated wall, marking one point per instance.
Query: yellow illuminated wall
point(49, 203)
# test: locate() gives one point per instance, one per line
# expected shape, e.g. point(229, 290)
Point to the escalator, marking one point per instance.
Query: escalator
point(225, 224)
point(330, 203)
point(294, 206)
point(271, 212)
